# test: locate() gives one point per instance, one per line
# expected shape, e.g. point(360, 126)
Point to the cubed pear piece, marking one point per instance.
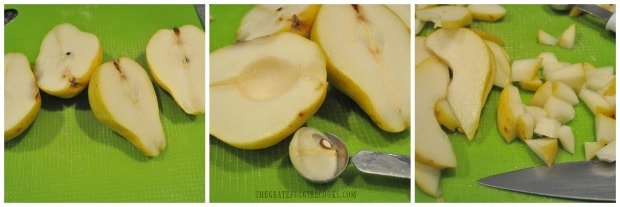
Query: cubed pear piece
point(446, 16)
point(545, 148)
point(259, 100)
point(487, 12)
point(427, 178)
point(22, 99)
point(559, 109)
point(509, 109)
point(525, 126)
point(531, 85)
point(610, 88)
point(598, 78)
point(552, 66)
point(597, 102)
point(547, 127)
point(268, 19)
point(445, 115)
point(592, 147)
point(536, 111)
point(502, 64)
point(573, 76)
point(548, 57)
point(368, 58)
point(607, 153)
point(403, 11)
point(546, 39)
point(66, 60)
point(176, 59)
point(542, 94)
point(473, 72)
point(432, 144)
point(565, 92)
point(605, 128)
point(567, 39)
point(123, 99)
point(567, 138)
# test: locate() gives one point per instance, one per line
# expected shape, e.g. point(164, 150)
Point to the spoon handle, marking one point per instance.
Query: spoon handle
point(383, 164)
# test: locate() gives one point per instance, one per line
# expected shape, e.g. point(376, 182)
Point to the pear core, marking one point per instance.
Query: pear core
point(267, 78)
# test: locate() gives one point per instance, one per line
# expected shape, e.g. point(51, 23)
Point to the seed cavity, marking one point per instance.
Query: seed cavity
point(176, 30)
point(68, 53)
point(326, 144)
point(279, 9)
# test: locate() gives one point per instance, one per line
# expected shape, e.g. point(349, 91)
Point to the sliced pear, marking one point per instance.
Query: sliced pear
point(598, 78)
point(525, 69)
point(610, 88)
point(473, 73)
point(446, 16)
point(547, 127)
point(552, 66)
point(502, 64)
point(567, 138)
point(564, 92)
point(427, 178)
point(607, 153)
point(123, 99)
point(548, 57)
point(542, 94)
point(403, 11)
point(419, 25)
point(525, 126)
point(445, 115)
point(66, 60)
point(259, 100)
point(268, 19)
point(545, 148)
point(559, 109)
point(591, 148)
point(369, 59)
point(22, 99)
point(432, 144)
point(573, 76)
point(487, 12)
point(176, 58)
point(597, 102)
point(567, 39)
point(509, 109)
point(490, 37)
point(531, 85)
point(546, 39)
point(536, 111)
point(605, 128)
point(421, 51)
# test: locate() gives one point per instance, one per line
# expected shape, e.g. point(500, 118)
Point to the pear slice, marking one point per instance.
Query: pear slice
point(66, 60)
point(502, 64)
point(446, 16)
point(545, 148)
point(403, 11)
point(546, 39)
point(567, 138)
point(509, 109)
point(567, 39)
point(123, 99)
point(22, 99)
point(605, 128)
point(268, 19)
point(176, 58)
point(607, 153)
point(592, 147)
point(258, 100)
point(421, 51)
point(445, 115)
point(427, 178)
point(473, 70)
point(368, 52)
point(487, 12)
point(525, 69)
point(432, 146)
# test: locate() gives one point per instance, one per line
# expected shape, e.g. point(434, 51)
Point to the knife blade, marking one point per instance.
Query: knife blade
point(585, 180)
point(608, 17)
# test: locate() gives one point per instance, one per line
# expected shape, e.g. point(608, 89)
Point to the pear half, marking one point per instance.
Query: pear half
point(268, 19)
point(473, 69)
point(22, 99)
point(368, 58)
point(264, 89)
point(176, 58)
point(66, 60)
point(123, 99)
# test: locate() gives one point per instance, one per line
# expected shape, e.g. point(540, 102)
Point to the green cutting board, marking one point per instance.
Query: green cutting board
point(487, 154)
point(267, 175)
point(67, 155)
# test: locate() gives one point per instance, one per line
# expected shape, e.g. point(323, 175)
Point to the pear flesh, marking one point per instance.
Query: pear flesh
point(22, 99)
point(176, 58)
point(263, 90)
point(268, 19)
point(123, 99)
point(66, 60)
point(369, 59)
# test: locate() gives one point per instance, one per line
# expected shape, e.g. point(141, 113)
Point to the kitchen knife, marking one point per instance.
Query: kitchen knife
point(586, 180)
point(603, 14)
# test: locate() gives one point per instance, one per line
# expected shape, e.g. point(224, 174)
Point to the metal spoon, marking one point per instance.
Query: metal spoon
point(321, 143)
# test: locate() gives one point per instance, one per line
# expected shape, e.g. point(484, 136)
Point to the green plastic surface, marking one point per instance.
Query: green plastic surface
point(267, 175)
point(487, 154)
point(67, 155)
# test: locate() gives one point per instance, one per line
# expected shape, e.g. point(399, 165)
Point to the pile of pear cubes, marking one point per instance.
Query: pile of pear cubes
point(457, 105)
